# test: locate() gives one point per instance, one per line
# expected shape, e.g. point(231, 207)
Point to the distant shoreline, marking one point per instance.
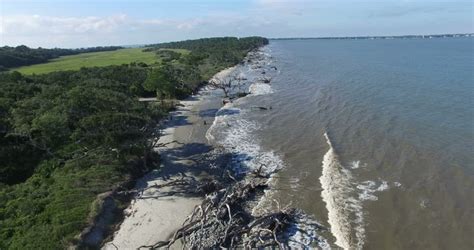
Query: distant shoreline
point(378, 37)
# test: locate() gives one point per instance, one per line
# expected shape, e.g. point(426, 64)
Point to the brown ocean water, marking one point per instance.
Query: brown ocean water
point(372, 138)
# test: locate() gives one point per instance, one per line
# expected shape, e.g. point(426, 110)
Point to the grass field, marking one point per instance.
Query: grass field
point(105, 58)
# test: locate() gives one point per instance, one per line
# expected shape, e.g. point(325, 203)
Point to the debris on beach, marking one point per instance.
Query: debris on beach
point(262, 108)
point(225, 219)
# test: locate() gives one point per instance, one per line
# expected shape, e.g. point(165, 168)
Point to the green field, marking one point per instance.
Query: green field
point(99, 59)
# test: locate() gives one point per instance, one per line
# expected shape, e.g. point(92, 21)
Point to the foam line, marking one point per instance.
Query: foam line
point(336, 183)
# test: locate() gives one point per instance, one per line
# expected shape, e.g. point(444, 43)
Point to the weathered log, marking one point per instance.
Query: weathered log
point(222, 213)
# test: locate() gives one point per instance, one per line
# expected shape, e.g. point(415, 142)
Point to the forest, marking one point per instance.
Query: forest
point(12, 57)
point(69, 137)
point(213, 54)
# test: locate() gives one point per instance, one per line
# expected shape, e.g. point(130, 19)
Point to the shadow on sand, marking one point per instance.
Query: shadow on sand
point(192, 162)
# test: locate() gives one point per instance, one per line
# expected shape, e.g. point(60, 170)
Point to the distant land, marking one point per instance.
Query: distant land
point(381, 37)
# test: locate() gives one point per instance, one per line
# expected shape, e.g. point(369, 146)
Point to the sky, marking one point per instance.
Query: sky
point(85, 23)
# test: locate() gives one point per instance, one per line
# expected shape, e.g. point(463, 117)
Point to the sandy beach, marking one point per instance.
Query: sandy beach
point(156, 213)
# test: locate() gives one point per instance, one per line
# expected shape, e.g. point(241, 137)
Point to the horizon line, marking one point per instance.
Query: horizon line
point(446, 35)
point(470, 34)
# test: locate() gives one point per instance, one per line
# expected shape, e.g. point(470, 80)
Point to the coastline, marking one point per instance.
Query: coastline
point(359, 192)
point(213, 171)
point(156, 213)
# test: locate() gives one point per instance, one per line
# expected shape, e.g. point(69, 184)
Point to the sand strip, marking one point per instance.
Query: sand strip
point(155, 214)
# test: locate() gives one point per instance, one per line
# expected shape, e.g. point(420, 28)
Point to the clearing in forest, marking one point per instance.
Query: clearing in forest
point(99, 59)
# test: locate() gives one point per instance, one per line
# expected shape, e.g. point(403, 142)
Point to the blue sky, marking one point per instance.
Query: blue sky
point(76, 23)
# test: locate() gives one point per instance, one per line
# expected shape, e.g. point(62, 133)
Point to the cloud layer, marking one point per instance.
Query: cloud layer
point(270, 18)
point(37, 30)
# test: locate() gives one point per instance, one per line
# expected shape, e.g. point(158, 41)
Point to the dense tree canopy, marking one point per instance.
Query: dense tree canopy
point(211, 55)
point(67, 136)
point(59, 125)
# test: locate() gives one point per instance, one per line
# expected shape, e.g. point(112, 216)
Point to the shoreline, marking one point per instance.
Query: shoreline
point(213, 191)
point(156, 213)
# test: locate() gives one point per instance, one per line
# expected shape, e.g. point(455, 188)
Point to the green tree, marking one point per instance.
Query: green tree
point(162, 81)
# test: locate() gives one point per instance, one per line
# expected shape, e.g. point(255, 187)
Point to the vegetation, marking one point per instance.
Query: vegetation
point(68, 136)
point(177, 76)
point(12, 57)
point(212, 55)
point(94, 59)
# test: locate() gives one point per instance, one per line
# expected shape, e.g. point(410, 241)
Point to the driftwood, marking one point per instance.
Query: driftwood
point(224, 218)
point(262, 108)
point(224, 84)
point(264, 79)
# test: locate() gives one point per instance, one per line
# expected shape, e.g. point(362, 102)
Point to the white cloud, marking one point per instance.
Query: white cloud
point(57, 31)
point(35, 24)
point(270, 18)
point(190, 24)
point(50, 31)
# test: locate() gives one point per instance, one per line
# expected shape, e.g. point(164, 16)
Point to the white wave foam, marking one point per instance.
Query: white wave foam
point(368, 189)
point(232, 131)
point(294, 182)
point(383, 186)
point(260, 89)
point(303, 234)
point(345, 203)
point(236, 134)
point(218, 120)
point(355, 164)
point(424, 203)
point(336, 182)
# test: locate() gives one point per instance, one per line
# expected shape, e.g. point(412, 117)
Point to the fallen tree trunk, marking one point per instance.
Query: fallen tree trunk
point(224, 218)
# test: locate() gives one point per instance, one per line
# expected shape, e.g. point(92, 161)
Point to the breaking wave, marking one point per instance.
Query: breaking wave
point(344, 198)
point(336, 182)
point(303, 234)
point(260, 89)
point(233, 131)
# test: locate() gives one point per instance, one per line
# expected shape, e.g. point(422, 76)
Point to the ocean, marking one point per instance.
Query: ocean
point(373, 139)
